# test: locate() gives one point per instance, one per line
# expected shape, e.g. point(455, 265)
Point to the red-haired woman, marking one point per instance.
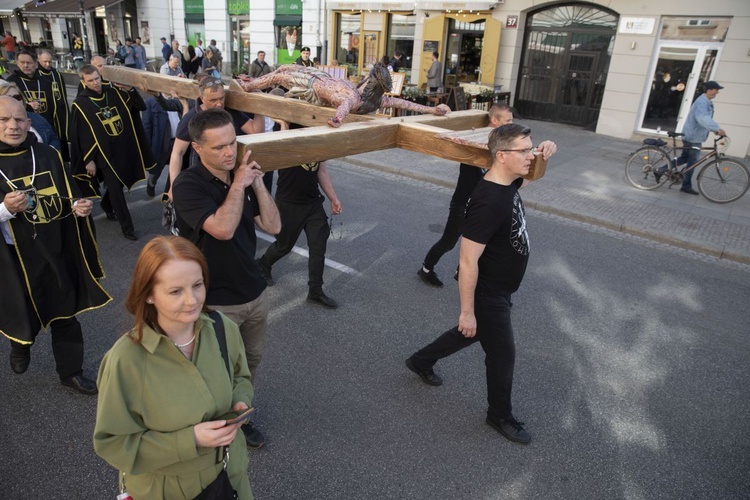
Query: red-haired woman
point(164, 386)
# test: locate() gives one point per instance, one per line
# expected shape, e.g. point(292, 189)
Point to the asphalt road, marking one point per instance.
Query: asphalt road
point(631, 370)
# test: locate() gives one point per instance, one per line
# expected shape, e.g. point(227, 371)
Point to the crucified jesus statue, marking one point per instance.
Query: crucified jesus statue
point(320, 88)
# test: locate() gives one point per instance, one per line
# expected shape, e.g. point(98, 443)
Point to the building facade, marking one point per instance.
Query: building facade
point(622, 68)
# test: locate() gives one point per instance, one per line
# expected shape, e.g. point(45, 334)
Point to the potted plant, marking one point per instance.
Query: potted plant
point(485, 95)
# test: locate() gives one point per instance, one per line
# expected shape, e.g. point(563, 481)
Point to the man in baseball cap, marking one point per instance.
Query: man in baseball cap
point(699, 123)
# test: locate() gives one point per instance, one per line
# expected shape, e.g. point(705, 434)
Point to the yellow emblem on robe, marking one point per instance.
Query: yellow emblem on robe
point(111, 120)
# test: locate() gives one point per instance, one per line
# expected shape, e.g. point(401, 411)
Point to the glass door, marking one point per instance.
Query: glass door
point(678, 76)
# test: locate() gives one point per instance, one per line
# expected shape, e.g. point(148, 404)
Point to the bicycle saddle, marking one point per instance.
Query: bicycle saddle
point(675, 134)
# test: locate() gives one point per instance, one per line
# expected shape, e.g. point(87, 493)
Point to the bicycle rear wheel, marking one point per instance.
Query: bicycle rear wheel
point(723, 181)
point(647, 168)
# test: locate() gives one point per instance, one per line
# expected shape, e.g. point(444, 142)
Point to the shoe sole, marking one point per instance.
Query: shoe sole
point(413, 368)
point(255, 447)
point(505, 434)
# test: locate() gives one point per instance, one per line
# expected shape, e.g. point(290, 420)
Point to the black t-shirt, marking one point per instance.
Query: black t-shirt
point(495, 217)
point(468, 178)
point(234, 277)
point(238, 118)
point(299, 184)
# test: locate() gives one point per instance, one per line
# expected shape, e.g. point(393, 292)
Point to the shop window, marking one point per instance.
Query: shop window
point(347, 41)
point(401, 37)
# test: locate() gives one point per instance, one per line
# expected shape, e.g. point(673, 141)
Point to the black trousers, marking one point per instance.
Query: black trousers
point(67, 338)
point(452, 232)
point(114, 198)
point(495, 334)
point(295, 218)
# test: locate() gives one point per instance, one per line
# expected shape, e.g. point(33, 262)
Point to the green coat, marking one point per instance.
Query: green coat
point(151, 396)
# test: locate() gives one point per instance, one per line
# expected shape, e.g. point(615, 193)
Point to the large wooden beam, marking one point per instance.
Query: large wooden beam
point(277, 150)
point(421, 138)
point(457, 120)
point(184, 87)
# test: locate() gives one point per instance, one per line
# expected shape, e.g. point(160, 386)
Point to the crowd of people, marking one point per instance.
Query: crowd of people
point(199, 298)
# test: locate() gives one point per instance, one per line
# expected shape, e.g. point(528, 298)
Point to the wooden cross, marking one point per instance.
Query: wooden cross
point(317, 142)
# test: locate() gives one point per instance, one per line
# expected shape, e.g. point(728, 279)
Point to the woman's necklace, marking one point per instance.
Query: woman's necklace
point(186, 343)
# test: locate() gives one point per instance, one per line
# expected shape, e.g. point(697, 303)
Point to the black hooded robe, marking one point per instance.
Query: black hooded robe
point(59, 94)
point(57, 251)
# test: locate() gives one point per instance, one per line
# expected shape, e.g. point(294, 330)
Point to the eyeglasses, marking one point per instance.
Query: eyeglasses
point(211, 83)
point(524, 151)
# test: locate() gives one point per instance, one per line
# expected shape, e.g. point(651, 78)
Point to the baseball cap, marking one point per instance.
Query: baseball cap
point(712, 85)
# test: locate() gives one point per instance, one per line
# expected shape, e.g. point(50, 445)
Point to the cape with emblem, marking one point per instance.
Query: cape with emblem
point(36, 88)
point(103, 129)
point(61, 101)
point(58, 253)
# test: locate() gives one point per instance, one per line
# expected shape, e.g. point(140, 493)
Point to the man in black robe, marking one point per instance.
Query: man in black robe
point(49, 258)
point(37, 91)
point(48, 72)
point(107, 143)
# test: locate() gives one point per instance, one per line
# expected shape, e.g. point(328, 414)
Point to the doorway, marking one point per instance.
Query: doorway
point(566, 55)
point(464, 51)
point(679, 73)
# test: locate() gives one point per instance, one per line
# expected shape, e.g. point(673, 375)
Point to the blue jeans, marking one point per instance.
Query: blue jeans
point(689, 157)
point(495, 334)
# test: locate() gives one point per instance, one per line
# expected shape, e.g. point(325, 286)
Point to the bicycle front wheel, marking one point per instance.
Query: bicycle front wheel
point(722, 180)
point(647, 168)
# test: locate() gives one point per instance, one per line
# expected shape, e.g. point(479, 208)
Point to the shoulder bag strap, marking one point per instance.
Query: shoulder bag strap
point(221, 336)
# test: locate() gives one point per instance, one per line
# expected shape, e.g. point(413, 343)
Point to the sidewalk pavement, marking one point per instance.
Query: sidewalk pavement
point(585, 181)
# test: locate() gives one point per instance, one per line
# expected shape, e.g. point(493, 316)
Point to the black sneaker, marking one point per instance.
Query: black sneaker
point(689, 190)
point(430, 277)
point(253, 437)
point(322, 299)
point(429, 377)
point(266, 273)
point(511, 429)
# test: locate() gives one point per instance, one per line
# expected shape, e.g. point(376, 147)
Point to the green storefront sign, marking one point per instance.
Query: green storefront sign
point(289, 7)
point(238, 7)
point(194, 7)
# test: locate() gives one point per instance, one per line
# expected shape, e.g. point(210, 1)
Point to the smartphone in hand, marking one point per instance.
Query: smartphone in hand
point(234, 417)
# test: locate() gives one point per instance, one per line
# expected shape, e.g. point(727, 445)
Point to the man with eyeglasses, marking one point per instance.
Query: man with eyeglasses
point(493, 258)
point(49, 258)
point(211, 95)
point(468, 178)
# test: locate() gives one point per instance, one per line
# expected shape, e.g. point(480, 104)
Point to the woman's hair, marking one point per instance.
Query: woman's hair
point(155, 254)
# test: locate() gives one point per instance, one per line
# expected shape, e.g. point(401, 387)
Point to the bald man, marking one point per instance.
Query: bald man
point(50, 262)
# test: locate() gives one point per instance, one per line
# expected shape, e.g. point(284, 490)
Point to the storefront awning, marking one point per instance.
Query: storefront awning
point(288, 20)
point(64, 8)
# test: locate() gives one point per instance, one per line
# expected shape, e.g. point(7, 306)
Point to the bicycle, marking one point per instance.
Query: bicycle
point(720, 180)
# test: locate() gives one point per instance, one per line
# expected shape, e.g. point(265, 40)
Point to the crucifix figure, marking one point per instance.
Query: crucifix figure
point(318, 87)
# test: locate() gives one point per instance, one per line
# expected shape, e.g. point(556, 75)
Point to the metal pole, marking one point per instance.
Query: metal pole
point(85, 34)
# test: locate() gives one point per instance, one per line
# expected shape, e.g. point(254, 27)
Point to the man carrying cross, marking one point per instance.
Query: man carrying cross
point(108, 143)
